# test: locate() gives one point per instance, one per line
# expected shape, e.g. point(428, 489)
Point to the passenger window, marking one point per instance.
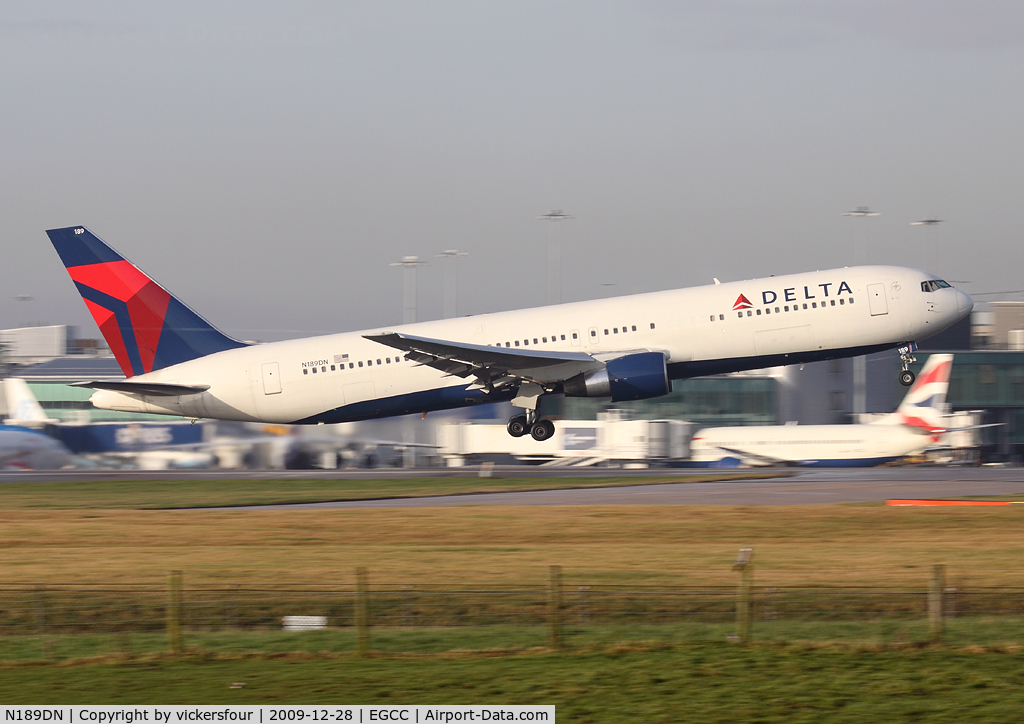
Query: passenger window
point(759, 312)
point(526, 343)
point(833, 302)
point(748, 314)
point(314, 370)
point(842, 301)
point(814, 305)
point(634, 327)
point(360, 364)
point(786, 307)
point(606, 333)
point(615, 330)
point(351, 365)
point(851, 300)
point(766, 311)
point(739, 314)
point(652, 325)
point(712, 317)
point(332, 368)
point(776, 310)
point(324, 368)
point(517, 343)
point(593, 333)
point(535, 340)
point(305, 371)
point(507, 344)
point(805, 305)
point(721, 317)
point(545, 340)
point(388, 360)
point(378, 361)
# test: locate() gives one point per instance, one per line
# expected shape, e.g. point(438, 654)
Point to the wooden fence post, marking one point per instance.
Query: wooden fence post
point(744, 593)
point(362, 612)
point(936, 589)
point(555, 608)
point(174, 613)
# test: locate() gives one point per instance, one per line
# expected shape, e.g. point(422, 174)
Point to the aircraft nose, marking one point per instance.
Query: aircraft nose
point(964, 304)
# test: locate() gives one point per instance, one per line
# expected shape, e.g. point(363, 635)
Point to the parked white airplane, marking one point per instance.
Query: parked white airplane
point(22, 444)
point(623, 348)
point(916, 425)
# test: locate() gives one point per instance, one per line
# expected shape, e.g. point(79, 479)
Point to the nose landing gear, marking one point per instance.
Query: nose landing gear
point(906, 353)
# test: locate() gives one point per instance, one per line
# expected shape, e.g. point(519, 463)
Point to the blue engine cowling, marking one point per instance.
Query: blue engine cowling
point(632, 377)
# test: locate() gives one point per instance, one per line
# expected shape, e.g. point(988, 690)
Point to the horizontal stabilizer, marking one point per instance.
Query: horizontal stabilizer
point(153, 389)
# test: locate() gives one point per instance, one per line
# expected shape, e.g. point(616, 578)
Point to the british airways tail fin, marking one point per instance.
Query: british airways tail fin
point(923, 407)
point(146, 327)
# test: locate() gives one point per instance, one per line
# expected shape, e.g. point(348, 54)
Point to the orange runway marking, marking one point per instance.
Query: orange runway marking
point(927, 503)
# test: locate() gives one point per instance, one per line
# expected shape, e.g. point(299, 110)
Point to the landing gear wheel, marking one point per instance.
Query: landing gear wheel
point(907, 378)
point(542, 430)
point(517, 426)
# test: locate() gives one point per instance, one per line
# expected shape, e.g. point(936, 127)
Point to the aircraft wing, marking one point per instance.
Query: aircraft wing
point(154, 389)
point(492, 366)
point(756, 457)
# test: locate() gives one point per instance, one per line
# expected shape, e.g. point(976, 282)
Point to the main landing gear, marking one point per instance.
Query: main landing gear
point(540, 430)
point(906, 358)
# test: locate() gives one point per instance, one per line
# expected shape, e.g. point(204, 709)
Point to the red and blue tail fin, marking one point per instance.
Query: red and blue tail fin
point(145, 326)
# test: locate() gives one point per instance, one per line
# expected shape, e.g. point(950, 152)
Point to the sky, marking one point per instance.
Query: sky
point(267, 162)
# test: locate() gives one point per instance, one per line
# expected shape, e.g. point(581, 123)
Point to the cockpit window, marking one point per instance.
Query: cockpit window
point(942, 284)
point(933, 285)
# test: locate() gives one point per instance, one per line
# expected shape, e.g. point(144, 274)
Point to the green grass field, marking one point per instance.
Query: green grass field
point(892, 634)
point(798, 669)
point(701, 682)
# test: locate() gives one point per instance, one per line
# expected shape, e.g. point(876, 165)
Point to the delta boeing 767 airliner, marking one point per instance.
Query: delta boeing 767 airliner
point(624, 348)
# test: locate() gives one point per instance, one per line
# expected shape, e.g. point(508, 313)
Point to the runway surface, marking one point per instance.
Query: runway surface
point(804, 488)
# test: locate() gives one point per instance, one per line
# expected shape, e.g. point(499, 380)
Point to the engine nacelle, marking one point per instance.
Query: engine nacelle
point(632, 377)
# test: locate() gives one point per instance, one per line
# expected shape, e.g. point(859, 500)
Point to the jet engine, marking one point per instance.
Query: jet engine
point(632, 377)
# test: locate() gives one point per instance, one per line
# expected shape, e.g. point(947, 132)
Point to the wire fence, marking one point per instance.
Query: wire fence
point(70, 620)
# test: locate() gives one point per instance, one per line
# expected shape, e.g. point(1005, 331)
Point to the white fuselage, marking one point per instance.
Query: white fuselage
point(702, 330)
point(22, 448)
point(812, 445)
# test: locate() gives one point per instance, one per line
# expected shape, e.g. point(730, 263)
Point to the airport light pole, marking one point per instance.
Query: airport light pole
point(451, 281)
point(933, 263)
point(555, 256)
point(860, 366)
point(27, 300)
point(861, 248)
point(409, 307)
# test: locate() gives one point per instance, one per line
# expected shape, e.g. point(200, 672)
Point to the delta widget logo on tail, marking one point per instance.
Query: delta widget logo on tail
point(145, 326)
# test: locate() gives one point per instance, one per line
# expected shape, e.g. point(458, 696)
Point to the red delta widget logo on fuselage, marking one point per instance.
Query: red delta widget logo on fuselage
point(793, 294)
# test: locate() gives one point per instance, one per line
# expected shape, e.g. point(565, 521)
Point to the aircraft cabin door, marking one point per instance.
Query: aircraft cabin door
point(876, 299)
point(271, 378)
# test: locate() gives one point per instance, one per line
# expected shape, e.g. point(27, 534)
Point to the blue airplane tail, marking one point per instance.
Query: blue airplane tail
point(146, 327)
